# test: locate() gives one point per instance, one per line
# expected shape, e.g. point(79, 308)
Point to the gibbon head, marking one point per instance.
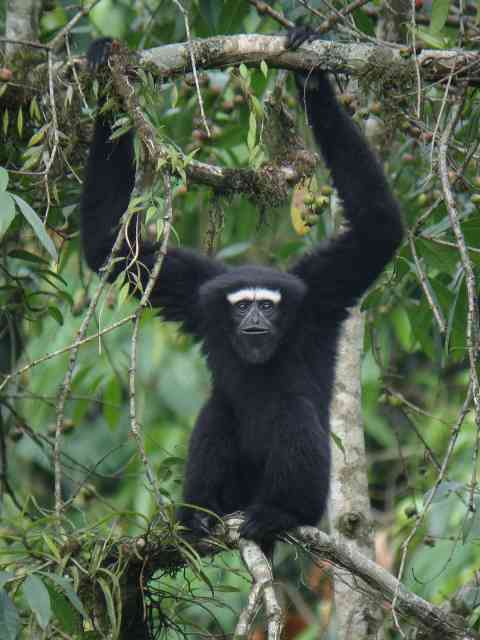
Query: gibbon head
point(253, 308)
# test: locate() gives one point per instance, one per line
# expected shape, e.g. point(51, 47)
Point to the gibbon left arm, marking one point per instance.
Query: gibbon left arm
point(107, 188)
point(339, 272)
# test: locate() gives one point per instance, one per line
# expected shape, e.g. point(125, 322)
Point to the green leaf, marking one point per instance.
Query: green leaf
point(20, 122)
point(112, 398)
point(338, 441)
point(233, 250)
point(174, 95)
point(150, 213)
point(257, 106)
point(67, 589)
point(55, 19)
point(433, 40)
point(264, 68)
point(232, 15)
point(252, 131)
point(35, 110)
point(121, 131)
point(56, 315)
point(439, 14)
point(37, 137)
point(364, 22)
point(110, 603)
point(3, 179)
point(111, 18)
point(47, 274)
point(7, 212)
point(403, 329)
point(442, 257)
point(20, 254)
point(38, 599)
point(226, 588)
point(5, 576)
point(52, 546)
point(210, 12)
point(37, 225)
point(5, 122)
point(172, 461)
point(123, 294)
point(9, 618)
point(467, 526)
point(68, 618)
point(243, 71)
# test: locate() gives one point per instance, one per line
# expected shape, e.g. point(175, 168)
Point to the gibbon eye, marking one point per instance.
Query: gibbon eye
point(243, 306)
point(265, 305)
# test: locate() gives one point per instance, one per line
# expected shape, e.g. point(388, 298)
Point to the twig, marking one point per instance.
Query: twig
point(422, 276)
point(264, 9)
point(426, 506)
point(59, 352)
point(56, 41)
point(446, 243)
point(472, 301)
point(51, 96)
point(262, 577)
point(64, 389)
point(25, 43)
point(440, 116)
point(414, 408)
point(194, 65)
point(134, 425)
point(75, 75)
point(418, 77)
point(313, 11)
point(343, 13)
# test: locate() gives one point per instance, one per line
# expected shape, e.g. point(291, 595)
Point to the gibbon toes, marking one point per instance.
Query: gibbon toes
point(296, 36)
point(263, 523)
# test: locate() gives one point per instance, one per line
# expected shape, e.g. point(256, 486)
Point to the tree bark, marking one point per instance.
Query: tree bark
point(21, 23)
point(357, 616)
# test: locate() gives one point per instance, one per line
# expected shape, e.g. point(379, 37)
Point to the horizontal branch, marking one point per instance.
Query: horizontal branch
point(265, 184)
point(355, 58)
point(430, 616)
point(147, 557)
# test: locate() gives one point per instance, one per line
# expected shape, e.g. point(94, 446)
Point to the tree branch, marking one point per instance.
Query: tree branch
point(357, 58)
point(151, 555)
point(270, 183)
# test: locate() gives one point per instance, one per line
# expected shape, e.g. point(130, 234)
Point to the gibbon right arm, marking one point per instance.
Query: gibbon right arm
point(339, 272)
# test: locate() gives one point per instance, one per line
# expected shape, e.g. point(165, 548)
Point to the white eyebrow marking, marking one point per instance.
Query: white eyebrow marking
point(254, 293)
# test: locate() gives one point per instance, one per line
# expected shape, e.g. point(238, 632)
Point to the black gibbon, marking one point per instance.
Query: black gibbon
point(261, 443)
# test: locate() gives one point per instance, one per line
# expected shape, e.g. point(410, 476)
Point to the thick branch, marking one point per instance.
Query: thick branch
point(431, 617)
point(356, 58)
point(153, 555)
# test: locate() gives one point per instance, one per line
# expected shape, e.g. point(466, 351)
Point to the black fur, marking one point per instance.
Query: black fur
point(261, 443)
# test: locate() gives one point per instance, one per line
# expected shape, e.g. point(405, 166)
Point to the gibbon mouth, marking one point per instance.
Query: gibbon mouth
point(255, 331)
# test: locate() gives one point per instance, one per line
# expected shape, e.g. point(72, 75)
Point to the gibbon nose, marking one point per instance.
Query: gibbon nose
point(254, 322)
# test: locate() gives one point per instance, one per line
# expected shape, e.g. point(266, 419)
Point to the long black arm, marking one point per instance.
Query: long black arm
point(108, 184)
point(339, 272)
